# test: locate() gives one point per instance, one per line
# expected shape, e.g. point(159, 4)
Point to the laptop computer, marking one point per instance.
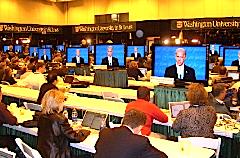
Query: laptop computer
point(94, 120)
point(176, 107)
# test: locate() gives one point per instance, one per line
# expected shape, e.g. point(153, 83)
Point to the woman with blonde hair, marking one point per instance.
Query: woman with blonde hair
point(133, 70)
point(199, 119)
point(54, 131)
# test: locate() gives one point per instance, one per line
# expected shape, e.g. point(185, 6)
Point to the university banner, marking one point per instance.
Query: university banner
point(105, 28)
point(206, 23)
point(29, 28)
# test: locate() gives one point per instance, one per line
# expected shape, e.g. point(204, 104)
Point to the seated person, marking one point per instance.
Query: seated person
point(32, 64)
point(6, 118)
point(28, 71)
point(199, 119)
point(133, 71)
point(123, 142)
point(222, 77)
point(217, 101)
point(51, 84)
point(54, 131)
point(216, 67)
point(7, 76)
point(151, 110)
point(35, 80)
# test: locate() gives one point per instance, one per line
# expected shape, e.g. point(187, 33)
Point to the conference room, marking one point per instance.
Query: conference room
point(83, 78)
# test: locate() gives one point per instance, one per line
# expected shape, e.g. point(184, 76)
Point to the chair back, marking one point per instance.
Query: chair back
point(27, 150)
point(5, 83)
point(7, 154)
point(209, 143)
point(32, 106)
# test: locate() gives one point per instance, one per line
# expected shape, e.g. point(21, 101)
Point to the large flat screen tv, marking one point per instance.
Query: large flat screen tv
point(118, 52)
point(71, 54)
point(41, 52)
point(230, 56)
point(60, 48)
point(33, 49)
point(138, 49)
point(164, 63)
point(18, 48)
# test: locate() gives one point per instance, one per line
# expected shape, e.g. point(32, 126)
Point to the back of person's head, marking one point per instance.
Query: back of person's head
point(197, 95)
point(134, 119)
point(223, 70)
point(133, 64)
point(218, 88)
point(51, 77)
point(53, 101)
point(143, 93)
point(39, 65)
point(32, 60)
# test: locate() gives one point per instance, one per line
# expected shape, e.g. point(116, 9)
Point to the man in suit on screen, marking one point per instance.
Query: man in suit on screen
point(44, 56)
point(135, 54)
point(124, 141)
point(77, 59)
point(180, 70)
point(110, 60)
point(34, 53)
point(236, 62)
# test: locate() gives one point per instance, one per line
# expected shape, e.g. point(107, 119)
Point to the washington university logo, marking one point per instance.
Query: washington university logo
point(179, 24)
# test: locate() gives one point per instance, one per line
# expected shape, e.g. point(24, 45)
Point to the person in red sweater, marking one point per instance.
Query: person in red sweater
point(151, 110)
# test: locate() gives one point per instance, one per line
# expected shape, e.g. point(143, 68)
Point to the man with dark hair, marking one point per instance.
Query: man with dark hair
point(217, 101)
point(51, 84)
point(36, 79)
point(45, 56)
point(123, 142)
point(151, 110)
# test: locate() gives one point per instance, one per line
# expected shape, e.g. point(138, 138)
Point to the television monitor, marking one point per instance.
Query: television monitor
point(221, 49)
point(196, 59)
point(140, 50)
point(230, 55)
point(41, 53)
point(118, 52)
point(71, 53)
point(18, 48)
point(60, 48)
point(215, 48)
point(5, 48)
point(33, 49)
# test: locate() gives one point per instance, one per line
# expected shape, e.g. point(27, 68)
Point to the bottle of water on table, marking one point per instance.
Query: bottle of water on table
point(74, 115)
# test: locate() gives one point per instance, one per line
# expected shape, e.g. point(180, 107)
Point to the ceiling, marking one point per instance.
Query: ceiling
point(61, 0)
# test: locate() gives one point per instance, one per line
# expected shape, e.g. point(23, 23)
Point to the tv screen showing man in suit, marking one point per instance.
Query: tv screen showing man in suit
point(135, 51)
point(77, 55)
point(33, 51)
point(185, 63)
point(110, 55)
point(18, 48)
point(44, 54)
point(180, 70)
point(231, 56)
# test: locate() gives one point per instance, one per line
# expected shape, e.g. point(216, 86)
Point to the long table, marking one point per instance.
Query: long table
point(97, 90)
point(112, 108)
point(172, 149)
point(130, 82)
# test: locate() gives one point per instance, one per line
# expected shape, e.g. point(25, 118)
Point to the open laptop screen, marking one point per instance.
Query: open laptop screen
point(93, 120)
point(176, 107)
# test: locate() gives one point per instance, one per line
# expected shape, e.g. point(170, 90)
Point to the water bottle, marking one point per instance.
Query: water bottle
point(84, 72)
point(74, 115)
point(65, 113)
point(103, 123)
